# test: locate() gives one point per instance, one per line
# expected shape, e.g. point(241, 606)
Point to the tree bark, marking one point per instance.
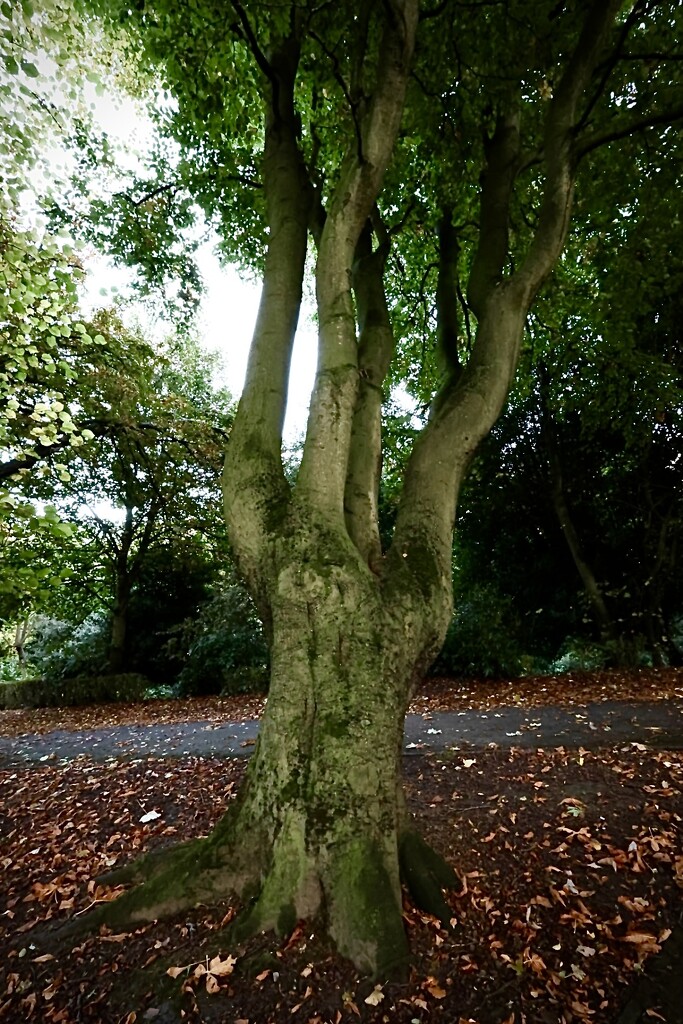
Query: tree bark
point(20, 635)
point(320, 828)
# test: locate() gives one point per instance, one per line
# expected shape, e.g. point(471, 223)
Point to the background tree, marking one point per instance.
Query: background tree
point(143, 490)
point(369, 132)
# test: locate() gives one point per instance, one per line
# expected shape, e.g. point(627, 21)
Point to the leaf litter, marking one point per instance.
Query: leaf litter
point(571, 864)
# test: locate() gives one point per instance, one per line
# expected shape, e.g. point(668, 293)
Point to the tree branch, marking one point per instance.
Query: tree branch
point(502, 163)
point(253, 479)
point(258, 53)
point(376, 348)
point(558, 150)
point(323, 471)
point(630, 126)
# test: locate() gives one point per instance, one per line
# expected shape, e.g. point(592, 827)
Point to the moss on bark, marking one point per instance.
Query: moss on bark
point(364, 909)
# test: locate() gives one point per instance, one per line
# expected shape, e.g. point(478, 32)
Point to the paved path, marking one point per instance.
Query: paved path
point(658, 725)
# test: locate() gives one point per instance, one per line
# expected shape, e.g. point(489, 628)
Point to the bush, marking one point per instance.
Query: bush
point(481, 639)
point(580, 655)
point(76, 691)
point(223, 649)
point(59, 650)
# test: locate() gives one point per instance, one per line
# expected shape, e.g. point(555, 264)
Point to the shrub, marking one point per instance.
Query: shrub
point(223, 649)
point(76, 691)
point(580, 655)
point(482, 638)
point(58, 650)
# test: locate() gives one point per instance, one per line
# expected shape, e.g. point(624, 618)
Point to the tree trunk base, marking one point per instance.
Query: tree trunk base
point(348, 891)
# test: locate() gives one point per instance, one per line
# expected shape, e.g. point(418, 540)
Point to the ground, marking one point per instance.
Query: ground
point(571, 863)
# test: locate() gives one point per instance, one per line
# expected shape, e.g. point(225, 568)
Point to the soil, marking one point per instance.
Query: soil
point(570, 860)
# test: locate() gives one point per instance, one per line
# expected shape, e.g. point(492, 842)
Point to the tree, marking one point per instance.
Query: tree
point(379, 124)
point(38, 324)
point(144, 485)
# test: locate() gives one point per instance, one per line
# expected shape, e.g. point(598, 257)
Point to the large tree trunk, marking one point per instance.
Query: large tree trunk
point(320, 828)
point(323, 799)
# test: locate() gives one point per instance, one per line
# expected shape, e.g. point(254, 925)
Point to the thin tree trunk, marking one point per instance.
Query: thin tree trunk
point(122, 590)
point(609, 634)
point(20, 635)
point(606, 625)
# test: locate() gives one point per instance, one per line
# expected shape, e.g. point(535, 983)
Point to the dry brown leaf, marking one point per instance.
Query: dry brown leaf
point(644, 940)
point(375, 997)
point(212, 985)
point(222, 967)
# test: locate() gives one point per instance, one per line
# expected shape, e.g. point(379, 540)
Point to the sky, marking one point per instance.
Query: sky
point(230, 302)
point(225, 325)
point(227, 318)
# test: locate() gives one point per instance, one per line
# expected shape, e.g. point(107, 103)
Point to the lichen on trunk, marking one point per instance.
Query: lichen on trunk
point(320, 828)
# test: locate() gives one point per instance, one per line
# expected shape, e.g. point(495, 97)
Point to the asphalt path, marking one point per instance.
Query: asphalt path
point(592, 726)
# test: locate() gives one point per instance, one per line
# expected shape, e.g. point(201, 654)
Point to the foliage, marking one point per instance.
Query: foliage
point(142, 478)
point(32, 546)
point(46, 55)
point(596, 422)
point(223, 649)
point(39, 336)
point(483, 638)
point(172, 585)
point(580, 655)
point(58, 650)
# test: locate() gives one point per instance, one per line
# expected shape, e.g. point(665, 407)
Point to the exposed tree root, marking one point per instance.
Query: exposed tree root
point(350, 889)
point(426, 874)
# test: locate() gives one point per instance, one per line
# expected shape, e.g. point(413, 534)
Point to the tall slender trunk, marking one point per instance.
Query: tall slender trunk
point(123, 583)
point(117, 635)
point(20, 635)
point(593, 590)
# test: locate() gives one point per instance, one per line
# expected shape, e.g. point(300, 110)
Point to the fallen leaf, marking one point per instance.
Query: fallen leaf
point(150, 816)
point(375, 997)
point(222, 967)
